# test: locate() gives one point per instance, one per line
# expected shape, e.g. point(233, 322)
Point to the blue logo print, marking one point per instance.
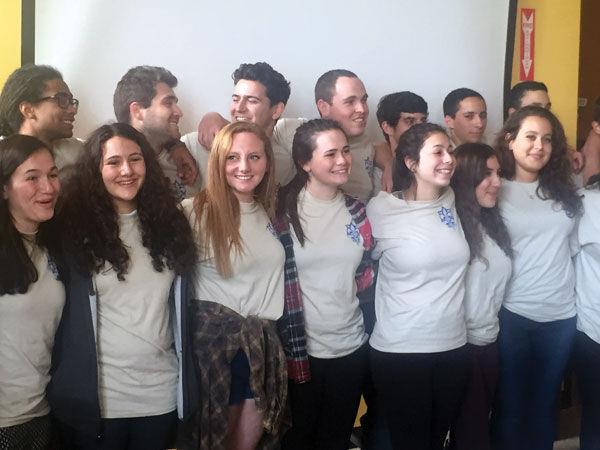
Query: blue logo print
point(369, 166)
point(353, 233)
point(52, 267)
point(271, 229)
point(446, 217)
point(569, 214)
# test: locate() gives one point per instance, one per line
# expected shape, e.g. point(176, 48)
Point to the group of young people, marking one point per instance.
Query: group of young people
point(132, 319)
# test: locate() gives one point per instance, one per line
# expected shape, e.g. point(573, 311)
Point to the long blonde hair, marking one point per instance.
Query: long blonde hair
point(217, 209)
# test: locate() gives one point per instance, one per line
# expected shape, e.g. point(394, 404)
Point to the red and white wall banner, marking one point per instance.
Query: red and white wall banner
point(526, 60)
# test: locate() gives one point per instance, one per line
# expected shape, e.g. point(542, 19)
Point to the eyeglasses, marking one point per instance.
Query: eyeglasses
point(62, 99)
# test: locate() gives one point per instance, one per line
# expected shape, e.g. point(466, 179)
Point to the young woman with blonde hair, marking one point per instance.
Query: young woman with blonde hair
point(239, 287)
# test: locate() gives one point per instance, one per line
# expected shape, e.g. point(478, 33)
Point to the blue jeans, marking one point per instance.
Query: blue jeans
point(533, 356)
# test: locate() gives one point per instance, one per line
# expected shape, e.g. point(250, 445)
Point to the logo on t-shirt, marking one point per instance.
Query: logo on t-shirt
point(369, 166)
point(446, 217)
point(52, 267)
point(353, 233)
point(271, 229)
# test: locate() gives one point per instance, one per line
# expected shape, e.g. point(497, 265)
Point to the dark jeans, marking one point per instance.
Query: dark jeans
point(324, 409)
point(586, 357)
point(533, 356)
point(420, 394)
point(135, 433)
point(471, 429)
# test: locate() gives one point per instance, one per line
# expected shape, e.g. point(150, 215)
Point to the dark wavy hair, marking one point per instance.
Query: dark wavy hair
point(139, 85)
point(409, 146)
point(471, 169)
point(277, 88)
point(302, 150)
point(26, 84)
point(18, 271)
point(555, 181)
point(91, 223)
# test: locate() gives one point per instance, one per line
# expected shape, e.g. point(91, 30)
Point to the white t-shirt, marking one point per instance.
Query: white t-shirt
point(169, 168)
point(587, 267)
point(423, 258)
point(327, 264)
point(28, 323)
point(485, 282)
point(66, 153)
point(137, 365)
point(542, 285)
point(256, 285)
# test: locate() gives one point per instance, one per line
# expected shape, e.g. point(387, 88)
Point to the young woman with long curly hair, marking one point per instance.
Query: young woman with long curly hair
point(115, 365)
point(239, 291)
point(31, 295)
point(539, 204)
point(476, 183)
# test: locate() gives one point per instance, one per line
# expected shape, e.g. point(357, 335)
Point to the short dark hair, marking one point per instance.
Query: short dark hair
point(518, 91)
point(391, 106)
point(26, 84)
point(453, 99)
point(409, 146)
point(325, 87)
point(139, 85)
point(277, 88)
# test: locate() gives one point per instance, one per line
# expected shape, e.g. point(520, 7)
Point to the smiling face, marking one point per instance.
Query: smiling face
point(245, 165)
point(436, 164)
point(32, 191)
point(160, 121)
point(532, 148)
point(330, 164)
point(469, 122)
point(48, 121)
point(123, 172)
point(249, 103)
point(486, 192)
point(348, 106)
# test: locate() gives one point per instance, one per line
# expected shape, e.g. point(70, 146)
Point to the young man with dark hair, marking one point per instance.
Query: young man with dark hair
point(465, 115)
point(341, 96)
point(399, 111)
point(35, 101)
point(527, 93)
point(144, 98)
point(260, 94)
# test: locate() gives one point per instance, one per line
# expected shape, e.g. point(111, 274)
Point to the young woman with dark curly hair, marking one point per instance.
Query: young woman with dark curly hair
point(239, 290)
point(115, 367)
point(31, 296)
point(418, 357)
point(476, 182)
point(539, 204)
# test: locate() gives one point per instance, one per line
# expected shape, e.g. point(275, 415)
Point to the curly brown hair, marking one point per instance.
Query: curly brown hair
point(90, 221)
point(555, 181)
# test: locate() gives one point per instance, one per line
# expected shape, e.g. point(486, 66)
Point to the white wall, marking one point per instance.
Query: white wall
point(429, 47)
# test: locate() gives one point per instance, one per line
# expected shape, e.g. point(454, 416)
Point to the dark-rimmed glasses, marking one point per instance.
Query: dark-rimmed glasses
point(62, 99)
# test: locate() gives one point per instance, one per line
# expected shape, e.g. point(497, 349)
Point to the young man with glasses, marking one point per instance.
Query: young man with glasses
point(35, 101)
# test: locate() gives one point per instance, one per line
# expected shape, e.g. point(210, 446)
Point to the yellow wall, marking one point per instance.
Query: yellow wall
point(10, 38)
point(556, 55)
